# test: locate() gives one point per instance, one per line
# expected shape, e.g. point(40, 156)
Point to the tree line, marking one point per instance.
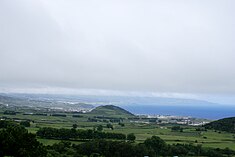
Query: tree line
point(53, 133)
point(152, 147)
point(226, 124)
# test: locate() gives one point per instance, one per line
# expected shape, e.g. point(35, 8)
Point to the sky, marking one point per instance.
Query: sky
point(182, 48)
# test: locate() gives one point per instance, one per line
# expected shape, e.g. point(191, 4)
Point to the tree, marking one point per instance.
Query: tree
point(121, 124)
point(16, 141)
point(25, 123)
point(75, 126)
point(156, 145)
point(9, 112)
point(177, 128)
point(99, 128)
point(228, 152)
point(110, 126)
point(131, 137)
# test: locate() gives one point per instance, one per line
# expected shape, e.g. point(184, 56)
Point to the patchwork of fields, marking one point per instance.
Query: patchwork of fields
point(209, 138)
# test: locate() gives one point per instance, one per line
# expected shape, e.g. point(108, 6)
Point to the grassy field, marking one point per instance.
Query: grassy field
point(142, 131)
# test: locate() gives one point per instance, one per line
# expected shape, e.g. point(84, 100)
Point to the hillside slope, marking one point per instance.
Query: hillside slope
point(226, 124)
point(40, 101)
point(111, 111)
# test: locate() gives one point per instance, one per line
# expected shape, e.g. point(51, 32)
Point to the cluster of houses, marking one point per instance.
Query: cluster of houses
point(169, 119)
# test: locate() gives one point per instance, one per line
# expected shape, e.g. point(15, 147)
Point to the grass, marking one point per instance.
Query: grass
point(47, 142)
point(141, 131)
point(189, 136)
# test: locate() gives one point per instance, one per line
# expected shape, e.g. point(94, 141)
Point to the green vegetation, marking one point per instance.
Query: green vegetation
point(131, 137)
point(25, 123)
point(16, 141)
point(111, 111)
point(177, 128)
point(226, 124)
point(9, 112)
point(110, 126)
point(99, 128)
point(66, 134)
point(96, 128)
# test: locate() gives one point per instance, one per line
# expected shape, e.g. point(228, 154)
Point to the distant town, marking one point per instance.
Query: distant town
point(170, 119)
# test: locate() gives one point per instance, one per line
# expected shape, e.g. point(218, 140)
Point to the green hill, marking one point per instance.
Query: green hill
point(226, 124)
point(111, 111)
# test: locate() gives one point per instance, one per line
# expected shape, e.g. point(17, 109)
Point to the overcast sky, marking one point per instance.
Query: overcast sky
point(167, 46)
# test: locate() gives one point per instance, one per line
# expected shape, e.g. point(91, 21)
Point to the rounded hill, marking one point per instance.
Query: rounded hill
point(111, 111)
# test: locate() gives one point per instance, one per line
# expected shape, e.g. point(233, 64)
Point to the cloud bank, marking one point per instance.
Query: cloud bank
point(129, 45)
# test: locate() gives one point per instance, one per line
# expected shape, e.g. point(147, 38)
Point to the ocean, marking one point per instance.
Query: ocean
point(211, 112)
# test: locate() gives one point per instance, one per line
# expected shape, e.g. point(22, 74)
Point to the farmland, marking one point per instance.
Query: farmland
point(189, 135)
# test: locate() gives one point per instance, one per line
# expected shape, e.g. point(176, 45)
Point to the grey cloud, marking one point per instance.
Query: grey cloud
point(161, 46)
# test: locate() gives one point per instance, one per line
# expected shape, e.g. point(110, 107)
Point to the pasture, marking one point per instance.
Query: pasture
point(209, 138)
